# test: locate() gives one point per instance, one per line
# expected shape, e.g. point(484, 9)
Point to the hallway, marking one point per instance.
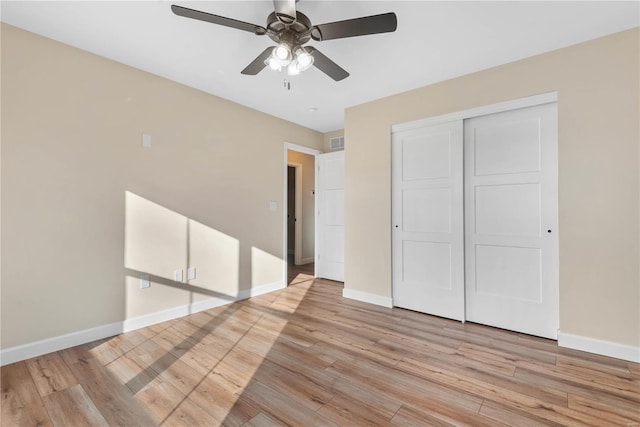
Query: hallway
point(298, 273)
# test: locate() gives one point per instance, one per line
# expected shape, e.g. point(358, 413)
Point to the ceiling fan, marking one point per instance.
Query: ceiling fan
point(291, 30)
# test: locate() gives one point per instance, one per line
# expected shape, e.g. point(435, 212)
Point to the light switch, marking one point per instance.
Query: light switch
point(145, 282)
point(191, 273)
point(178, 275)
point(146, 140)
point(273, 205)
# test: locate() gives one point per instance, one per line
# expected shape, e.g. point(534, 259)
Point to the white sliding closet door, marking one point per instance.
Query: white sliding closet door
point(427, 212)
point(511, 220)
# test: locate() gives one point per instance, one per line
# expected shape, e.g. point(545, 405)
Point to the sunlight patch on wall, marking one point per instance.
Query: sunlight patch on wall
point(155, 237)
point(265, 267)
point(217, 258)
point(159, 242)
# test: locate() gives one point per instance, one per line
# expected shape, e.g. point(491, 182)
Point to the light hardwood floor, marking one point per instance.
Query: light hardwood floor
point(299, 273)
point(306, 356)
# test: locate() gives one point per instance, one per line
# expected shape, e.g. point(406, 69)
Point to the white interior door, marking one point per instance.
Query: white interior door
point(511, 220)
point(427, 215)
point(330, 214)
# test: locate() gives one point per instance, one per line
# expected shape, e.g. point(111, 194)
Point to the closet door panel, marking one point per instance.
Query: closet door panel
point(427, 212)
point(511, 220)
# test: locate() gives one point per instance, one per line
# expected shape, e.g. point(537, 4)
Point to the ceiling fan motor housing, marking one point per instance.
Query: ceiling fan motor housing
point(292, 34)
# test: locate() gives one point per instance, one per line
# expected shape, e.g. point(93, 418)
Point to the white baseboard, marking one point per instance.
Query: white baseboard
point(308, 260)
point(367, 297)
point(155, 317)
point(264, 289)
point(604, 348)
point(49, 345)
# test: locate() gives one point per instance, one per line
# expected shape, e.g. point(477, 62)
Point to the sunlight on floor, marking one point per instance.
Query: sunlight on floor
point(205, 360)
point(301, 277)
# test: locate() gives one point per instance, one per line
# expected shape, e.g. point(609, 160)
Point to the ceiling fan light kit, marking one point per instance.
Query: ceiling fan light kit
point(295, 60)
point(291, 29)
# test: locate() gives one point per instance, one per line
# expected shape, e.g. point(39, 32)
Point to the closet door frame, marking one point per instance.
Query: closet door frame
point(529, 101)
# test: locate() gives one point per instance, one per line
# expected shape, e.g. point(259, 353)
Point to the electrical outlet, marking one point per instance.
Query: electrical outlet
point(178, 275)
point(191, 273)
point(145, 282)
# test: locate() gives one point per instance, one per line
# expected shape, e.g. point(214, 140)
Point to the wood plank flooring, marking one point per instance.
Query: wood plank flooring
point(306, 356)
point(299, 273)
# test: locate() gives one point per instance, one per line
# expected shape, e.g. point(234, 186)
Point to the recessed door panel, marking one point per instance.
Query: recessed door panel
point(334, 207)
point(334, 249)
point(508, 210)
point(426, 210)
point(509, 146)
point(333, 172)
point(426, 156)
point(507, 271)
point(427, 264)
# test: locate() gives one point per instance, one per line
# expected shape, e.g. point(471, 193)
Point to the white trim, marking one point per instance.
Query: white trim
point(297, 214)
point(49, 345)
point(308, 260)
point(306, 150)
point(301, 149)
point(156, 317)
point(605, 348)
point(316, 229)
point(500, 107)
point(264, 289)
point(367, 297)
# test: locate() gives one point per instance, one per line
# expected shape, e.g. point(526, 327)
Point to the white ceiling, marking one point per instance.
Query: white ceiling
point(435, 41)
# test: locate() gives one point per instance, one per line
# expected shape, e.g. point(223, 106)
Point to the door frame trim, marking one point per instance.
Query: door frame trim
point(529, 101)
point(297, 213)
point(305, 150)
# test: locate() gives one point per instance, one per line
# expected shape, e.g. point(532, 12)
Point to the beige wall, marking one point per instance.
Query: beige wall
point(598, 113)
point(308, 202)
point(86, 209)
point(327, 139)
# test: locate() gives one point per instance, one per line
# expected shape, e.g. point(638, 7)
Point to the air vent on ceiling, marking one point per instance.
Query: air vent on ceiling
point(337, 143)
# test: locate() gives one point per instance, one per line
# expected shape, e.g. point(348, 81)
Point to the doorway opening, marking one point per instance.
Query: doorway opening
point(297, 271)
point(299, 228)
